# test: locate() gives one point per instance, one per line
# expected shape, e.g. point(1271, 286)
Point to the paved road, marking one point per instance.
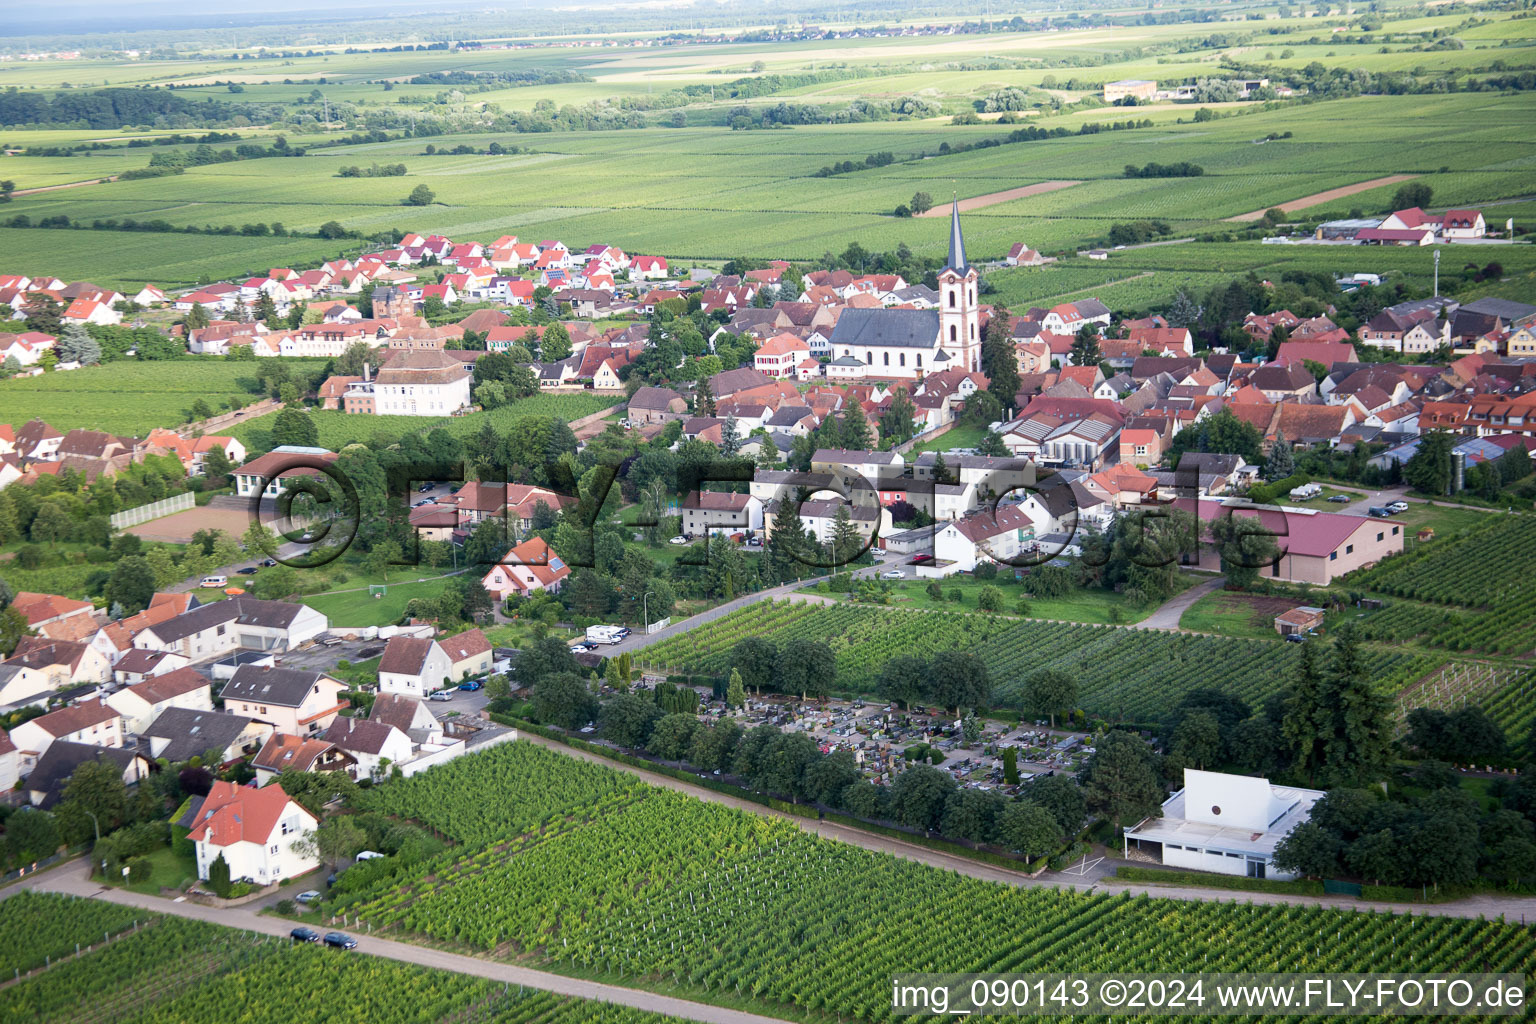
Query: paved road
point(1170, 611)
point(71, 878)
point(1511, 908)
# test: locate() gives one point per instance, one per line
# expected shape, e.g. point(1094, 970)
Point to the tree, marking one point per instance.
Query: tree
point(992, 444)
point(30, 835)
point(1197, 739)
point(754, 659)
point(95, 787)
point(901, 680)
point(921, 203)
point(131, 585)
point(972, 814)
point(78, 346)
point(331, 229)
point(628, 718)
point(334, 841)
point(563, 699)
point(1429, 471)
point(554, 343)
point(1280, 462)
point(735, 691)
point(919, 794)
point(1310, 850)
point(218, 876)
point(1000, 360)
point(1184, 311)
point(51, 523)
point(672, 736)
point(1051, 692)
point(957, 679)
point(1029, 829)
point(807, 667)
point(421, 196)
point(294, 427)
point(1337, 722)
point(989, 599)
point(1121, 778)
point(1245, 546)
point(547, 657)
point(1411, 194)
point(1063, 797)
point(1085, 347)
point(197, 317)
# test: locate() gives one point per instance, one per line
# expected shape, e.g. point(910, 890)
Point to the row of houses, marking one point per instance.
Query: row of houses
point(35, 450)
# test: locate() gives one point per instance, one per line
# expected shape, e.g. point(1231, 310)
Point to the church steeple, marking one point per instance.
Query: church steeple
point(956, 241)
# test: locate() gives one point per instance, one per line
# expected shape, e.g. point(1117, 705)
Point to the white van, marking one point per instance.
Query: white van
point(214, 581)
point(368, 855)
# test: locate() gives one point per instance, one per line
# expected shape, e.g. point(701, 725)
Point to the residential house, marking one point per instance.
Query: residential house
point(61, 618)
point(260, 833)
point(141, 703)
point(47, 778)
point(1315, 547)
point(292, 700)
point(62, 661)
point(705, 512)
point(90, 721)
point(213, 630)
point(220, 738)
point(413, 667)
point(469, 654)
point(655, 405)
point(135, 666)
point(374, 745)
point(527, 568)
point(283, 752)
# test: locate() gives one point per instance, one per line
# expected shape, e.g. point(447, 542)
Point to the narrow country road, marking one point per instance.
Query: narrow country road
point(1170, 611)
point(1489, 905)
point(71, 879)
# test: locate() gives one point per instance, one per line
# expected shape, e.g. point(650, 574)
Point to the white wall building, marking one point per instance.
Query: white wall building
point(257, 831)
point(1227, 824)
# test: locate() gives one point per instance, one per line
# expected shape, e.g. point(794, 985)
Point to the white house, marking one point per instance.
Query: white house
point(375, 745)
point(720, 512)
point(469, 654)
point(422, 383)
point(136, 665)
point(1228, 824)
point(1463, 224)
point(529, 567)
point(212, 630)
point(291, 700)
point(91, 721)
point(258, 832)
point(413, 667)
point(141, 703)
point(22, 685)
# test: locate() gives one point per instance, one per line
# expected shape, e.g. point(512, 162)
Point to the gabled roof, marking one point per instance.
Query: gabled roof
point(233, 814)
point(283, 752)
point(75, 717)
point(193, 733)
point(60, 760)
point(166, 685)
point(469, 644)
point(360, 734)
point(406, 655)
point(283, 687)
point(895, 328)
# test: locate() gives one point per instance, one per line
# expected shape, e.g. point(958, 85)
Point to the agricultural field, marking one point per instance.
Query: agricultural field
point(1123, 674)
point(700, 193)
point(35, 928)
point(1093, 606)
point(734, 908)
point(1484, 580)
point(338, 429)
point(223, 974)
point(128, 396)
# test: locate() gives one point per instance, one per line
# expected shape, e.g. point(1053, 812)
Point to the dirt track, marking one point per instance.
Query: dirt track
point(993, 198)
point(179, 527)
point(1317, 199)
point(55, 188)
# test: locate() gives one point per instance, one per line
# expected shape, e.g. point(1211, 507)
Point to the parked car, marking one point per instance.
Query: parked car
point(308, 896)
point(894, 574)
point(678, 540)
point(1338, 499)
point(471, 685)
point(304, 935)
point(1377, 512)
point(441, 695)
point(583, 648)
point(249, 570)
point(268, 562)
point(340, 940)
point(425, 488)
point(1397, 506)
point(1295, 638)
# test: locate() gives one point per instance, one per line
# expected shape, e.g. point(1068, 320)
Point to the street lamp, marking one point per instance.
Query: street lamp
point(645, 610)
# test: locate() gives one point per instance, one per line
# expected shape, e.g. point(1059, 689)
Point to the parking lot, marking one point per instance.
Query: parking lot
point(323, 658)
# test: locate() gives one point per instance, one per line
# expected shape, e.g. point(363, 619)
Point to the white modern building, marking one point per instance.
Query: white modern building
point(1227, 824)
point(258, 832)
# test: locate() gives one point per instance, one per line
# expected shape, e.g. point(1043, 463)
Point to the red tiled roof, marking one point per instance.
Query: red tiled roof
point(233, 814)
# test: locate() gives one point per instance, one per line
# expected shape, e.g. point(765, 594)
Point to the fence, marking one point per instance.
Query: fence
point(154, 510)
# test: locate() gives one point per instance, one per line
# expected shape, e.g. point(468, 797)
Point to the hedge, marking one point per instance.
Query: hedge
point(1164, 876)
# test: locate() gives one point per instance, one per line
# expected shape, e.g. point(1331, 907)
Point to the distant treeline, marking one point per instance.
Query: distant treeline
point(1182, 169)
point(533, 76)
point(117, 108)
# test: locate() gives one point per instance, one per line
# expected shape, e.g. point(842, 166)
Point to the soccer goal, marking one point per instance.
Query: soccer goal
point(377, 589)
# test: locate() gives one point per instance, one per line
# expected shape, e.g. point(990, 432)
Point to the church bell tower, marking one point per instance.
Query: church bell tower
point(959, 315)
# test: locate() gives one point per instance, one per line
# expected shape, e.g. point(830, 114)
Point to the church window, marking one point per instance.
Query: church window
point(951, 298)
point(952, 335)
point(887, 359)
point(903, 358)
point(919, 359)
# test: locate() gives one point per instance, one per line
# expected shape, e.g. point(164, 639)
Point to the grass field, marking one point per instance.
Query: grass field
point(128, 396)
point(354, 606)
point(1095, 606)
point(1241, 615)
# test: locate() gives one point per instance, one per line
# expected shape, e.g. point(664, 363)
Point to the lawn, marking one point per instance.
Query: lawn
point(966, 435)
point(353, 607)
point(1092, 606)
point(1443, 519)
point(170, 872)
point(1232, 614)
point(129, 396)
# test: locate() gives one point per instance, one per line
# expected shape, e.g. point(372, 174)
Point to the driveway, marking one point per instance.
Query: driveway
point(1170, 611)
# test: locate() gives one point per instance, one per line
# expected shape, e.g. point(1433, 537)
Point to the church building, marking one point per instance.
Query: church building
point(908, 344)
